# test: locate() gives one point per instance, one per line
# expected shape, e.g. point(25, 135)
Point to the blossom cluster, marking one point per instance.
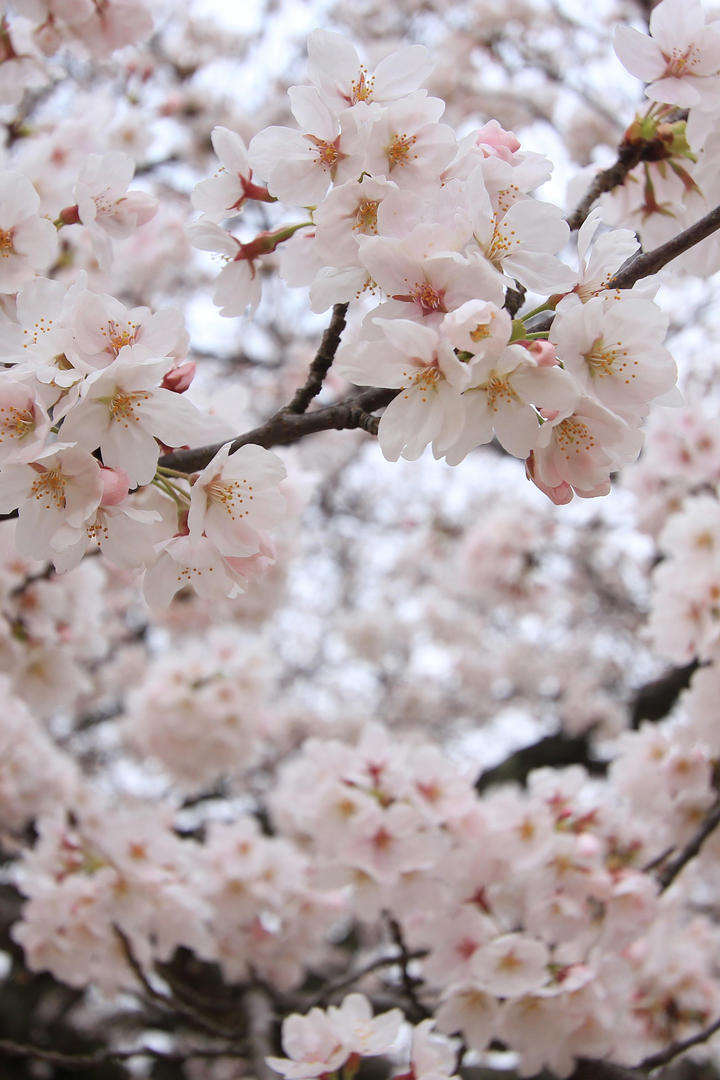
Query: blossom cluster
point(678, 182)
point(532, 910)
point(431, 233)
point(91, 393)
point(36, 29)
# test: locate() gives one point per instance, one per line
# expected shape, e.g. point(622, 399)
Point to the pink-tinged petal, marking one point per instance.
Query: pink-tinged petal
point(207, 236)
point(273, 146)
point(216, 196)
point(311, 113)
point(332, 59)
point(15, 482)
point(133, 449)
point(18, 199)
point(638, 53)
point(37, 240)
point(675, 91)
point(173, 419)
point(402, 72)
point(238, 287)
point(231, 150)
point(676, 24)
point(411, 338)
point(335, 286)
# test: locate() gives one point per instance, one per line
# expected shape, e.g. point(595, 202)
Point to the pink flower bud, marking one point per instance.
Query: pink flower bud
point(116, 484)
point(495, 141)
point(179, 379)
point(543, 352)
point(70, 215)
point(560, 494)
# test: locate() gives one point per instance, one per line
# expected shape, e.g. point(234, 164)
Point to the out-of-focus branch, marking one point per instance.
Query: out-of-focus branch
point(182, 1008)
point(655, 699)
point(671, 869)
point(378, 964)
point(10, 1048)
point(664, 1057)
point(557, 751)
point(416, 1011)
point(321, 364)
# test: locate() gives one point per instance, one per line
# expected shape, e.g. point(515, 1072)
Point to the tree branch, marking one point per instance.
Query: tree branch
point(629, 155)
point(172, 1003)
point(640, 266)
point(373, 965)
point(417, 1010)
point(285, 427)
point(322, 362)
point(647, 263)
point(664, 1057)
point(103, 1057)
point(670, 871)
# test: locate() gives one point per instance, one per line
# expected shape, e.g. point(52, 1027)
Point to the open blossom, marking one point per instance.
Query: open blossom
point(614, 350)
point(123, 411)
point(313, 1046)
point(24, 423)
point(503, 395)
point(681, 59)
point(235, 496)
point(58, 490)
point(423, 365)
point(226, 192)
point(336, 70)
point(195, 563)
point(299, 165)
point(105, 205)
point(28, 242)
point(580, 452)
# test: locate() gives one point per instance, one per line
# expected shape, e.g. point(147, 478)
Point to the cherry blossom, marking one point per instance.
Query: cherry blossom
point(681, 58)
point(28, 242)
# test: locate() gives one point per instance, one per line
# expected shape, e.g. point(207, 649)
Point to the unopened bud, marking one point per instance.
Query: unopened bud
point(116, 484)
point(179, 379)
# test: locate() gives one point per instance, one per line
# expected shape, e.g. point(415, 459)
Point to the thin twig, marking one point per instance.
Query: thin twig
point(629, 155)
point(670, 871)
point(322, 362)
point(640, 266)
point(374, 965)
point(103, 1057)
point(409, 983)
point(648, 262)
point(170, 1002)
point(664, 1057)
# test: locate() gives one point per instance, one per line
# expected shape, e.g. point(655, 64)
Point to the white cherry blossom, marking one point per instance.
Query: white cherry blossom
point(28, 242)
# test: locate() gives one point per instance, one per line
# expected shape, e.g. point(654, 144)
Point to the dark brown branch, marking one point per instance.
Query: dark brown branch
point(629, 155)
point(103, 1057)
point(321, 364)
point(170, 1002)
point(287, 427)
point(557, 751)
point(647, 263)
point(655, 699)
point(586, 1069)
point(373, 965)
point(670, 871)
point(664, 1057)
point(416, 1011)
point(640, 266)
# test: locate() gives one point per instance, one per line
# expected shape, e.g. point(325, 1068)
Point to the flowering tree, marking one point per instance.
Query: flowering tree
point(330, 731)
